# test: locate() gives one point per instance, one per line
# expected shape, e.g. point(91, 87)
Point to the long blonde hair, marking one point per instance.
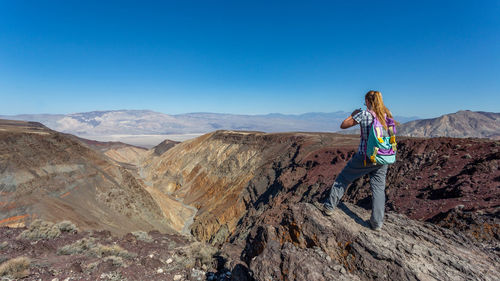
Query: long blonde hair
point(378, 107)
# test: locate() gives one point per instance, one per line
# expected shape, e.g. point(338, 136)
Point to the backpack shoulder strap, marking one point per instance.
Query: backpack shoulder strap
point(391, 128)
point(376, 127)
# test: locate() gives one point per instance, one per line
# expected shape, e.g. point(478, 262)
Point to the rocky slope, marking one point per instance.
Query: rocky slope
point(249, 194)
point(462, 124)
point(45, 174)
point(297, 242)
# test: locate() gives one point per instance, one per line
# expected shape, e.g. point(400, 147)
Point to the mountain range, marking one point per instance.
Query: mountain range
point(148, 128)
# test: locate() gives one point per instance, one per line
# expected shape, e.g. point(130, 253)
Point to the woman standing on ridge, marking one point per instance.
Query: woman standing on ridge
point(358, 166)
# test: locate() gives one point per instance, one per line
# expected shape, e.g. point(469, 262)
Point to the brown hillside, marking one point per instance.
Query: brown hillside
point(45, 174)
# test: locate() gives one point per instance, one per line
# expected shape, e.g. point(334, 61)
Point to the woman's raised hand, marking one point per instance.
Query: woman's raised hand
point(356, 111)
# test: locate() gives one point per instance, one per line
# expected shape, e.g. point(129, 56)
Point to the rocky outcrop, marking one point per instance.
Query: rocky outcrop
point(45, 174)
point(300, 243)
point(462, 124)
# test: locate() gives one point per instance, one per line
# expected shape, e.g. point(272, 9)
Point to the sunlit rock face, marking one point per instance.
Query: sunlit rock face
point(223, 173)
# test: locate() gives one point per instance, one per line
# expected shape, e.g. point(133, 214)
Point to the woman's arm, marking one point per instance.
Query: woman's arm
point(349, 121)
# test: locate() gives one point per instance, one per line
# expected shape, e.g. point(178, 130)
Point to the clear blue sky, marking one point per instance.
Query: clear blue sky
point(248, 57)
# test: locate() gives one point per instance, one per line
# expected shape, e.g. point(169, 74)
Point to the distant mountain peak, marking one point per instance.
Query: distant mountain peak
point(461, 124)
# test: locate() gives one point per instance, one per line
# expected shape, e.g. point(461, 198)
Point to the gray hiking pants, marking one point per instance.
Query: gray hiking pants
point(353, 170)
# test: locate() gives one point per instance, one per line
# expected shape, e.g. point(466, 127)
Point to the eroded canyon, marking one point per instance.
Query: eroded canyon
point(249, 195)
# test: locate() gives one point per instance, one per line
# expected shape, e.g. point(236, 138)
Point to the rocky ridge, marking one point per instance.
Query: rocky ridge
point(462, 124)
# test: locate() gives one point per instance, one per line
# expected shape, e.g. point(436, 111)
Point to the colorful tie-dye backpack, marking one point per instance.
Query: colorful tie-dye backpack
point(381, 145)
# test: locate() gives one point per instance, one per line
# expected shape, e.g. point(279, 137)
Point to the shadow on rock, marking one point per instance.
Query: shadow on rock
point(353, 215)
point(239, 272)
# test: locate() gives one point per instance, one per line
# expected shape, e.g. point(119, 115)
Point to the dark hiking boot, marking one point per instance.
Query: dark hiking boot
point(375, 228)
point(323, 208)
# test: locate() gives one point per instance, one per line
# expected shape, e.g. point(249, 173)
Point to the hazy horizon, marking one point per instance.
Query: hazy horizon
point(225, 113)
point(185, 113)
